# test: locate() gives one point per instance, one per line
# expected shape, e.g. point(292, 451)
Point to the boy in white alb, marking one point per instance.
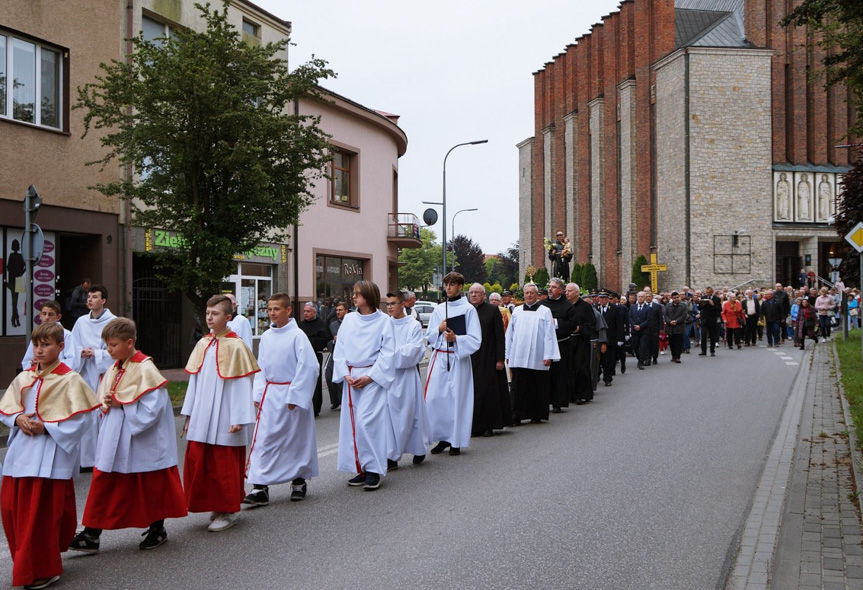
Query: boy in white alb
point(218, 408)
point(449, 384)
point(92, 358)
point(284, 447)
point(410, 422)
point(135, 479)
point(50, 312)
point(48, 408)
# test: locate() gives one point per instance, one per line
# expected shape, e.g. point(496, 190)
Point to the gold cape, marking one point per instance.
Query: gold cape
point(61, 393)
point(129, 380)
point(233, 358)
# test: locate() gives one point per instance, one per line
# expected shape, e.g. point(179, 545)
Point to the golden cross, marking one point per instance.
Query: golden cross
point(654, 269)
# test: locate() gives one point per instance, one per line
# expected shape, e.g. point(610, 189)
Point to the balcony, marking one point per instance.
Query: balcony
point(403, 230)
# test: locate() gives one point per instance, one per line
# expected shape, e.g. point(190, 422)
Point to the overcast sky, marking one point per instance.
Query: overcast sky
point(454, 71)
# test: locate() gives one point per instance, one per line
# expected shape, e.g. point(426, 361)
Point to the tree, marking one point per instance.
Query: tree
point(837, 27)
point(541, 277)
point(492, 268)
point(469, 259)
point(577, 273)
point(419, 264)
point(509, 264)
point(848, 214)
point(640, 278)
point(589, 280)
point(205, 118)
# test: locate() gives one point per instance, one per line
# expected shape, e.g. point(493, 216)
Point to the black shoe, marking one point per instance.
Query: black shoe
point(655, 362)
point(87, 469)
point(712, 354)
point(640, 367)
point(537, 420)
point(686, 351)
point(84, 543)
point(392, 465)
point(373, 481)
point(607, 383)
point(298, 492)
point(454, 451)
point(358, 480)
point(623, 369)
point(440, 447)
point(556, 410)
point(702, 354)
point(335, 406)
point(257, 497)
point(153, 538)
point(580, 402)
point(488, 433)
point(419, 459)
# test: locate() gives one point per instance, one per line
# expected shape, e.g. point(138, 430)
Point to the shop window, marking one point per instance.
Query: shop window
point(335, 276)
point(31, 82)
point(252, 286)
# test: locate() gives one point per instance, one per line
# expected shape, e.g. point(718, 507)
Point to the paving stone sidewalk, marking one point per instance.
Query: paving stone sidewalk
point(809, 507)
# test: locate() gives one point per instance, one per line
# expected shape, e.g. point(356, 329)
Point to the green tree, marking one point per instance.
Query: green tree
point(469, 259)
point(493, 268)
point(641, 279)
point(588, 278)
point(206, 119)
point(577, 273)
point(541, 277)
point(848, 214)
point(419, 264)
point(837, 27)
point(508, 264)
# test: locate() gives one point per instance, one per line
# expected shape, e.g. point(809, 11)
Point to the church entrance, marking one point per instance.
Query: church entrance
point(788, 262)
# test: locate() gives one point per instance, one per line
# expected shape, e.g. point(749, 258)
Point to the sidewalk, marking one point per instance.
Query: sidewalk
point(803, 532)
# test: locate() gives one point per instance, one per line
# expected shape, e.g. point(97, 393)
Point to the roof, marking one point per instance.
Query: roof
point(707, 28)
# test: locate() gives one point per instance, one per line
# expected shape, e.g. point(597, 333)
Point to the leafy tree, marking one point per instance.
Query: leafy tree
point(848, 214)
point(205, 118)
point(508, 264)
point(541, 277)
point(589, 280)
point(577, 273)
point(419, 264)
point(492, 268)
point(837, 27)
point(641, 279)
point(469, 259)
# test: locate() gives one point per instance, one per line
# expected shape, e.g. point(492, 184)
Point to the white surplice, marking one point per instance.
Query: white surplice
point(87, 333)
point(242, 328)
point(214, 405)
point(410, 423)
point(67, 355)
point(53, 455)
point(365, 348)
point(530, 339)
point(284, 446)
point(449, 393)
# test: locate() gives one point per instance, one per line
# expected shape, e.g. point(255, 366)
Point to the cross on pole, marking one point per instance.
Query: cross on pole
point(654, 269)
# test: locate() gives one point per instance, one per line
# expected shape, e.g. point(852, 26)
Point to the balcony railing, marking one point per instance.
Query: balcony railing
point(403, 230)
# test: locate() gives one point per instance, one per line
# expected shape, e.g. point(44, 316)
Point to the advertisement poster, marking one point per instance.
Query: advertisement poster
point(14, 298)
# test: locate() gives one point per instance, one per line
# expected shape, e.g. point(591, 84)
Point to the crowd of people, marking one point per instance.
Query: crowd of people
point(88, 398)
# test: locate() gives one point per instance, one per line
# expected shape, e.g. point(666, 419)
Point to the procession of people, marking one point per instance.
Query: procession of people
point(250, 421)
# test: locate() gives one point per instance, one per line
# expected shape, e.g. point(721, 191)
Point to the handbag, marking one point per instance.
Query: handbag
point(853, 312)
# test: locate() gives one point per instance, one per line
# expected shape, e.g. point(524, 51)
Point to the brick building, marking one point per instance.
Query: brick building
point(692, 129)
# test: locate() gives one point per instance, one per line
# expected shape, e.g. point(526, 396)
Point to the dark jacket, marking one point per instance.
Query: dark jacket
point(614, 321)
point(677, 313)
point(639, 318)
point(709, 313)
point(654, 318)
point(317, 331)
point(772, 311)
point(562, 311)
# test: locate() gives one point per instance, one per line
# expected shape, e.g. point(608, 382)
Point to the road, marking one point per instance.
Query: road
point(646, 487)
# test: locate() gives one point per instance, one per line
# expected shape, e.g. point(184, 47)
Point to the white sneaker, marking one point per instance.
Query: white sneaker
point(222, 522)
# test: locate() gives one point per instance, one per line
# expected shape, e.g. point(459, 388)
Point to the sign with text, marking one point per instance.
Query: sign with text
point(161, 239)
point(14, 270)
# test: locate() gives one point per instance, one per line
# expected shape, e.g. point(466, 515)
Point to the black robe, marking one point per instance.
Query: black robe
point(585, 320)
point(491, 405)
point(319, 335)
point(559, 373)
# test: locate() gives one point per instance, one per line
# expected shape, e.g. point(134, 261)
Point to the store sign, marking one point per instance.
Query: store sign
point(14, 269)
point(352, 269)
point(157, 239)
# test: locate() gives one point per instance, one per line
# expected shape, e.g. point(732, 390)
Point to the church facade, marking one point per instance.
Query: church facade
point(695, 130)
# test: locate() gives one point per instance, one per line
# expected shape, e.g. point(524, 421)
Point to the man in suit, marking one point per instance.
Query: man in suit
point(614, 331)
point(709, 308)
point(638, 319)
point(676, 314)
point(654, 324)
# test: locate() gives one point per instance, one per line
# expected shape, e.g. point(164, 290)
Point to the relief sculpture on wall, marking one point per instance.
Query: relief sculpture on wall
point(783, 198)
point(825, 198)
point(804, 199)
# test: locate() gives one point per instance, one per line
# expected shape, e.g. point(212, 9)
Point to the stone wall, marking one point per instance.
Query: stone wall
point(548, 191)
point(598, 231)
point(628, 209)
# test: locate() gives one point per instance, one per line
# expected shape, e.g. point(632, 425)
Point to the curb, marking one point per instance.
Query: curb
point(853, 443)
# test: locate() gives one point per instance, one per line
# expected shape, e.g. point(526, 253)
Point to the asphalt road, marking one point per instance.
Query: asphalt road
point(646, 487)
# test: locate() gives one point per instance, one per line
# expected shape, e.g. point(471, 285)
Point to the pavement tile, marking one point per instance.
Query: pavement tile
point(810, 580)
point(833, 563)
point(854, 571)
point(833, 585)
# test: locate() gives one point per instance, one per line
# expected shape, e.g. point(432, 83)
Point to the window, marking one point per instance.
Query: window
point(155, 31)
point(252, 286)
point(343, 179)
point(31, 81)
point(335, 276)
point(251, 28)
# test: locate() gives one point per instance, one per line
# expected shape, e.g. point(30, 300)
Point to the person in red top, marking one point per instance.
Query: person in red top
point(732, 315)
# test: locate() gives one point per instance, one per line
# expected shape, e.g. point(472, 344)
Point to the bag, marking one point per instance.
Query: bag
point(853, 312)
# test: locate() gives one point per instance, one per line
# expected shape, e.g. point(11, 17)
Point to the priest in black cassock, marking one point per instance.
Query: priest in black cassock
point(580, 345)
point(491, 406)
point(564, 323)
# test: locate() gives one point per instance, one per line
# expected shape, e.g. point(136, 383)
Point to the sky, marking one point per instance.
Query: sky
point(454, 71)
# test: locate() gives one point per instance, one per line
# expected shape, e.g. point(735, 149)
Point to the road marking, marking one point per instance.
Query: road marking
point(791, 363)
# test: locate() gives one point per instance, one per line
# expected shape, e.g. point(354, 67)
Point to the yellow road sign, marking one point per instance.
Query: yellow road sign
point(855, 237)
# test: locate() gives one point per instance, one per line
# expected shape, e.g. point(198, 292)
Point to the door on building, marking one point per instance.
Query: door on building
point(158, 313)
point(825, 268)
point(788, 262)
point(78, 257)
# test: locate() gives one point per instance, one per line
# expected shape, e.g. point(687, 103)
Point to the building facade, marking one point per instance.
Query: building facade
point(690, 129)
point(353, 225)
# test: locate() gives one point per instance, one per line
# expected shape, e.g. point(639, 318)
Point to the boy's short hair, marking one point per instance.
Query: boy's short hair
point(370, 293)
point(454, 277)
point(282, 298)
point(47, 332)
point(399, 295)
point(53, 305)
point(101, 289)
point(342, 304)
point(121, 329)
point(221, 301)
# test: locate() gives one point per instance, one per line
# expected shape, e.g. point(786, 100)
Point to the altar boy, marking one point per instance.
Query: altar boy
point(135, 480)
point(218, 408)
point(284, 447)
point(48, 409)
point(50, 312)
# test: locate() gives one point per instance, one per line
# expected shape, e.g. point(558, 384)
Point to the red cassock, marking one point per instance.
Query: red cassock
point(213, 477)
point(133, 500)
point(39, 517)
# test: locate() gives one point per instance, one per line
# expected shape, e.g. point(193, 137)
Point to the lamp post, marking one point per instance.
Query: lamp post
point(443, 201)
point(454, 234)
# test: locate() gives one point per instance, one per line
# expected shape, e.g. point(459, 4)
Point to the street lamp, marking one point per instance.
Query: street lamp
point(454, 234)
point(443, 201)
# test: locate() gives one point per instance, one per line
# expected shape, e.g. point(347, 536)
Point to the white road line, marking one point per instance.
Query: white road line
point(791, 363)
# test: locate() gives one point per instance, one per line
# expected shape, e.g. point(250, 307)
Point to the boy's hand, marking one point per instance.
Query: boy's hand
point(359, 382)
point(87, 353)
point(22, 421)
point(292, 406)
point(449, 336)
point(442, 327)
point(37, 427)
point(235, 428)
point(185, 428)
